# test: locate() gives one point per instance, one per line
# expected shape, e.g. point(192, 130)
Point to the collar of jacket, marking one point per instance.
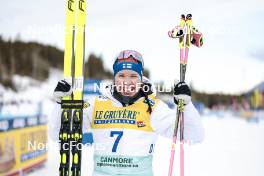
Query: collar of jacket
point(126, 100)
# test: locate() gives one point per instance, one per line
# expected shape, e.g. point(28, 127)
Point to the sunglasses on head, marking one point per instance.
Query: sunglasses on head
point(130, 56)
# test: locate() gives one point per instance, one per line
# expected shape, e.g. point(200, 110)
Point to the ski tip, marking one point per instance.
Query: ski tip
point(182, 16)
point(189, 16)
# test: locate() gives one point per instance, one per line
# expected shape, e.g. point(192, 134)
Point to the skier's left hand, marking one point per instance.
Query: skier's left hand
point(183, 92)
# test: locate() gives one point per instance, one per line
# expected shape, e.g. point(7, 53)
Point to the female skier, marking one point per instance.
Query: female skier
point(127, 119)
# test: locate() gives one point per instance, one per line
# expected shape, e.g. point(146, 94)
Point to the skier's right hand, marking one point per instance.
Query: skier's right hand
point(62, 89)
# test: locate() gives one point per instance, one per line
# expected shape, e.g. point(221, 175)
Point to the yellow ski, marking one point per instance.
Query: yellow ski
point(72, 106)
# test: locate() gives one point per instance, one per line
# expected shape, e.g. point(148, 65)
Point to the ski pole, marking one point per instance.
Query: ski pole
point(186, 37)
point(180, 33)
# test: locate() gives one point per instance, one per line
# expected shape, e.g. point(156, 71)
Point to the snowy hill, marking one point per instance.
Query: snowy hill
point(29, 93)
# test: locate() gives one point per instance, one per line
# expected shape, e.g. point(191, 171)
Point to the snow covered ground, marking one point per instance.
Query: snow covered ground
point(232, 146)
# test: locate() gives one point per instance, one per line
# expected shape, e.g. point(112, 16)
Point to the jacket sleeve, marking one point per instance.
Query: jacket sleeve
point(55, 119)
point(163, 122)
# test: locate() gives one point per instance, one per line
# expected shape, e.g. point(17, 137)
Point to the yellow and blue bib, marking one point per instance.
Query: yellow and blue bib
point(106, 115)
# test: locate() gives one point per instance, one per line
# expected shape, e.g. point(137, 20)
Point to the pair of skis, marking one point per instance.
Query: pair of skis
point(70, 134)
point(187, 35)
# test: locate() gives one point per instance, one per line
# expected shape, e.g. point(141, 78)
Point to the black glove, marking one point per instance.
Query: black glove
point(182, 91)
point(62, 89)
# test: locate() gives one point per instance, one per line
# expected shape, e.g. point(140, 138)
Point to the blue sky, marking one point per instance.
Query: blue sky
point(231, 61)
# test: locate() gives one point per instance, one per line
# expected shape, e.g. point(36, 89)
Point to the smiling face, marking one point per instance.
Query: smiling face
point(127, 82)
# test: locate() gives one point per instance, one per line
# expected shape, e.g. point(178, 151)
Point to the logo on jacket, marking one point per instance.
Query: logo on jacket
point(102, 98)
point(141, 124)
point(151, 101)
point(86, 105)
